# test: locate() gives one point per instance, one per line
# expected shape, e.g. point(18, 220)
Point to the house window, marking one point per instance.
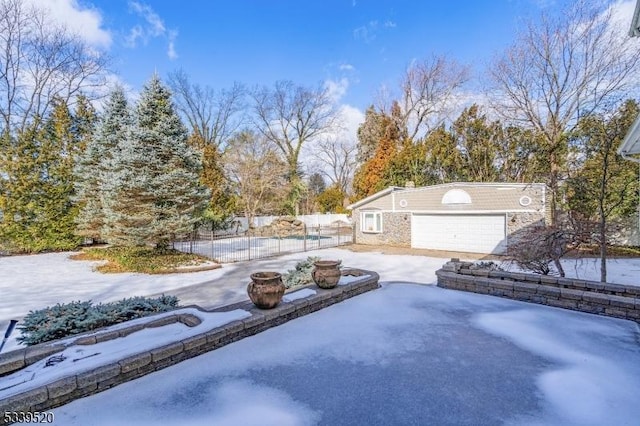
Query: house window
point(371, 221)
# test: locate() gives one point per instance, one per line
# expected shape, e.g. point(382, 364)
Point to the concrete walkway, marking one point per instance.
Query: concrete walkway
point(230, 286)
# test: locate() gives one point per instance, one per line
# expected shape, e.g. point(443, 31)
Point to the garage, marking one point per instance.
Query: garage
point(459, 232)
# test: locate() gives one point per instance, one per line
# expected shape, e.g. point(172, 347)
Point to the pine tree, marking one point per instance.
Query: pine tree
point(19, 189)
point(153, 189)
point(369, 178)
point(94, 164)
point(223, 201)
point(37, 185)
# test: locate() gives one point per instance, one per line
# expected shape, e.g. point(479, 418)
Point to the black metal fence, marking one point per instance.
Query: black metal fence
point(235, 248)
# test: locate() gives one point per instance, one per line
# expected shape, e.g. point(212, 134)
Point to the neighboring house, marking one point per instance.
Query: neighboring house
point(466, 217)
point(630, 146)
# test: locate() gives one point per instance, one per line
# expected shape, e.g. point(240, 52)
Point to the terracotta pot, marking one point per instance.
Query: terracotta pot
point(266, 289)
point(326, 273)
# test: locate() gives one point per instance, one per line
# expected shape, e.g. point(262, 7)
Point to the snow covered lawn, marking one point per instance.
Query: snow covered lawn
point(403, 354)
point(34, 282)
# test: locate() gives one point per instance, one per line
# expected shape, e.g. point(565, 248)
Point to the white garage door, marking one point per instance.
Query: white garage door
point(466, 233)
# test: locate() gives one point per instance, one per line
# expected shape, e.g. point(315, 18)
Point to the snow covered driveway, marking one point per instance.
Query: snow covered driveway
point(404, 354)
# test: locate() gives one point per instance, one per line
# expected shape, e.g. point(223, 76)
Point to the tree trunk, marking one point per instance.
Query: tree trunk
point(603, 245)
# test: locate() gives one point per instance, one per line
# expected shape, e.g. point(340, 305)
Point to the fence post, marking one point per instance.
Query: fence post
point(249, 242)
point(305, 237)
point(338, 229)
point(318, 236)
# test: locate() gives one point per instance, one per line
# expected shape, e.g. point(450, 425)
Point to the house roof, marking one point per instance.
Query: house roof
point(435, 188)
point(634, 31)
point(375, 196)
point(631, 143)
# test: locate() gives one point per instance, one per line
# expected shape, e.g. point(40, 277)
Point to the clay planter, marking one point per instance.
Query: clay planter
point(266, 289)
point(326, 273)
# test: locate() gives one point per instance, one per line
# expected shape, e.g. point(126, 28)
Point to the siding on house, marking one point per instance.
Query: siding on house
point(397, 205)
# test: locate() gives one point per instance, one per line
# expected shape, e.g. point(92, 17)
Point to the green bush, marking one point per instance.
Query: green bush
point(67, 319)
point(139, 259)
point(301, 275)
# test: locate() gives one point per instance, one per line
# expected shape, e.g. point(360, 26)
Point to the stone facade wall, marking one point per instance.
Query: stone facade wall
point(396, 230)
point(614, 300)
point(519, 223)
point(67, 389)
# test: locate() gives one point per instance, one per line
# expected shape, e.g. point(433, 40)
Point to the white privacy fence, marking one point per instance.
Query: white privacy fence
point(318, 219)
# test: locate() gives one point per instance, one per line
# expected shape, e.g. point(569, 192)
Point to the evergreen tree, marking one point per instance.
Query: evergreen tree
point(477, 141)
point(369, 178)
point(444, 160)
point(95, 162)
point(20, 187)
point(222, 203)
point(37, 185)
point(331, 200)
point(153, 190)
point(409, 164)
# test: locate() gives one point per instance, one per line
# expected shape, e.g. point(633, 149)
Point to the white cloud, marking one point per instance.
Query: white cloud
point(351, 118)
point(155, 25)
point(171, 49)
point(134, 34)
point(346, 67)
point(337, 89)
point(152, 27)
point(83, 21)
point(366, 33)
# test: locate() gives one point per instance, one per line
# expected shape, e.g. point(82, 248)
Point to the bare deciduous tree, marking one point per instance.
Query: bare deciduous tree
point(337, 160)
point(214, 115)
point(561, 68)
point(289, 115)
point(428, 89)
point(257, 172)
point(41, 60)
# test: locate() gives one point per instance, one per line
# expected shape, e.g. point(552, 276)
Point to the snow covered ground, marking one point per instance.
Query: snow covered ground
point(34, 282)
point(403, 354)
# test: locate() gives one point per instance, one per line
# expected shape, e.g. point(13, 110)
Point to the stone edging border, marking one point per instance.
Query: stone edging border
point(83, 384)
point(613, 300)
point(20, 358)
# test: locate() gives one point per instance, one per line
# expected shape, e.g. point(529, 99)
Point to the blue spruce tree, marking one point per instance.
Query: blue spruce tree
point(153, 190)
point(94, 165)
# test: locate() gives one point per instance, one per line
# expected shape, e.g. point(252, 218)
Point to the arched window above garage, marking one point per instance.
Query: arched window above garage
point(456, 196)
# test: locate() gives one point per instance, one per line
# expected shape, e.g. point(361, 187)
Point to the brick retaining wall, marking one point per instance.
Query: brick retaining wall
point(79, 385)
point(614, 300)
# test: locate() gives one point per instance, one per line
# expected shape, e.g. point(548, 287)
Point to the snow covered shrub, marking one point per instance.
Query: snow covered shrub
point(67, 319)
point(487, 266)
point(301, 275)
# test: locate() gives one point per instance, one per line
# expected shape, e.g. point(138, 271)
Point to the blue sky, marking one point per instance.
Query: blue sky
point(355, 47)
point(359, 45)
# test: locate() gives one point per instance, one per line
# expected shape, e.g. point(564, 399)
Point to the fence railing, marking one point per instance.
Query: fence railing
point(248, 246)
